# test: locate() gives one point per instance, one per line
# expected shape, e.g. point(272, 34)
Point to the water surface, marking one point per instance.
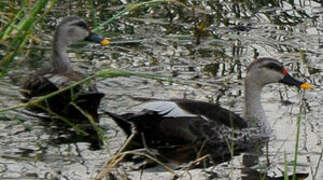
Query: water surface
point(163, 40)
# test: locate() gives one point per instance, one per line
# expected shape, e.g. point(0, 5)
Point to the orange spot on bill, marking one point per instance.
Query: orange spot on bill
point(306, 86)
point(105, 42)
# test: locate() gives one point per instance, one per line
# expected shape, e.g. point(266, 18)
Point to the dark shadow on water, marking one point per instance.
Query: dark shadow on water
point(252, 174)
point(60, 133)
point(249, 172)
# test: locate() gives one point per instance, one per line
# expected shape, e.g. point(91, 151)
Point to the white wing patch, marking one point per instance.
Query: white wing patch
point(59, 80)
point(169, 108)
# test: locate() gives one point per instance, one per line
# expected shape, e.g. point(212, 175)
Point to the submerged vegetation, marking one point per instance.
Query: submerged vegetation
point(208, 37)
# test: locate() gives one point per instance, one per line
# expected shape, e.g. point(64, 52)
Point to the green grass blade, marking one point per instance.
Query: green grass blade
point(24, 29)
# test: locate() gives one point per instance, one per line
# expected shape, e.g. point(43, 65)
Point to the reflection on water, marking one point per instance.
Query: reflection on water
point(163, 41)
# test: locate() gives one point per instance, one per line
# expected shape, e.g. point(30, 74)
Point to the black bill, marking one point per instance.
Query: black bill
point(95, 38)
point(289, 80)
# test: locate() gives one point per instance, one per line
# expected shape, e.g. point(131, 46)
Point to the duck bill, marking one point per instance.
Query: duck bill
point(97, 39)
point(289, 80)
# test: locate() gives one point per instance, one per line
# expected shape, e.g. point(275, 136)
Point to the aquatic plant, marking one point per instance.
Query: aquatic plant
point(17, 27)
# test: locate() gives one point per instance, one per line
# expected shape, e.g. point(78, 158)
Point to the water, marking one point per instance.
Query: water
point(162, 41)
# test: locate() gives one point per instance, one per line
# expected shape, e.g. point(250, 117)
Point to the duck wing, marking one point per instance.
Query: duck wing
point(213, 112)
point(181, 139)
point(170, 136)
point(193, 108)
point(42, 83)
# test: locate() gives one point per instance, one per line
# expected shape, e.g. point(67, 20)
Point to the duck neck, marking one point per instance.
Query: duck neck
point(254, 112)
point(60, 59)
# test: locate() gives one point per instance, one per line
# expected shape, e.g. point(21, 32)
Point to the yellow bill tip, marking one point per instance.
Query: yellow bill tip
point(105, 42)
point(306, 86)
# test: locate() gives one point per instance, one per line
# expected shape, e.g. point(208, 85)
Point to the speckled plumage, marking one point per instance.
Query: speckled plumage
point(182, 139)
point(182, 130)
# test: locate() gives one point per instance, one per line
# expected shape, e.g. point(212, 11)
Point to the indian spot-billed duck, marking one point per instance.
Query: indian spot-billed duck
point(59, 73)
point(181, 129)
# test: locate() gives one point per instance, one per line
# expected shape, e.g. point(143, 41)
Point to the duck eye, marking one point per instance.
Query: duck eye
point(284, 71)
point(82, 24)
point(271, 66)
point(274, 67)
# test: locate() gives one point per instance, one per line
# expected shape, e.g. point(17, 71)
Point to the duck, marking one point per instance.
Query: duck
point(182, 130)
point(59, 73)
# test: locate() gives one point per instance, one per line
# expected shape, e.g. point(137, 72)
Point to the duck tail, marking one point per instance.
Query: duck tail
point(121, 121)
